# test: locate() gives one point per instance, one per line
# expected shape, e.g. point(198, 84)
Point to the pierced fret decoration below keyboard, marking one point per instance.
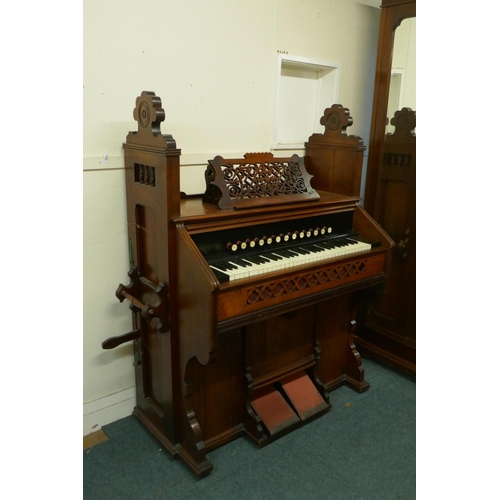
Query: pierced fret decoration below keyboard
point(302, 282)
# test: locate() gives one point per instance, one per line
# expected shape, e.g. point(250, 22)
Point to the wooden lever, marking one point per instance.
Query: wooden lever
point(146, 310)
point(402, 244)
point(157, 314)
point(113, 342)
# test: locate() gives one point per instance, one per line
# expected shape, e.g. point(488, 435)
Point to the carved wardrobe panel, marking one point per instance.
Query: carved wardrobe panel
point(388, 331)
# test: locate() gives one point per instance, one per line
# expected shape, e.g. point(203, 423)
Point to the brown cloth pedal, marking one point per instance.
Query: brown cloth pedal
point(305, 398)
point(275, 412)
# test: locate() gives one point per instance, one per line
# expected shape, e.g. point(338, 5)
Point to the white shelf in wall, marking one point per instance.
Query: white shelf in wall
point(304, 89)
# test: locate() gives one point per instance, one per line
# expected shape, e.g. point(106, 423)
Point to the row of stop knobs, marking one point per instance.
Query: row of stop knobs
point(280, 238)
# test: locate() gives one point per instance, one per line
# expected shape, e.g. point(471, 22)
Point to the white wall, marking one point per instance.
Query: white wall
point(213, 63)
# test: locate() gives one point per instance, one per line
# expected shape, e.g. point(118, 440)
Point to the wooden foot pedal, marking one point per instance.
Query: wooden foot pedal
point(275, 412)
point(304, 396)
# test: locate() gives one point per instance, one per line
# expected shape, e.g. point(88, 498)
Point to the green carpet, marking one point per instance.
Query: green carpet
point(365, 451)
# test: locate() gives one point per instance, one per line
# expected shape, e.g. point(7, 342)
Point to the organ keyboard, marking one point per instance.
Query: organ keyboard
point(262, 261)
point(244, 299)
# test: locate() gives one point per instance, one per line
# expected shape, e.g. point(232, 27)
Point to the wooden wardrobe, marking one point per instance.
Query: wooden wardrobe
point(388, 331)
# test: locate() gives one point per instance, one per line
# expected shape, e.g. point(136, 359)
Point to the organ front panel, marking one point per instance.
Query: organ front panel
point(244, 306)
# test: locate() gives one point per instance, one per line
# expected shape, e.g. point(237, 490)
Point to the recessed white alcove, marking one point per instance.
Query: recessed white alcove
point(304, 89)
point(395, 100)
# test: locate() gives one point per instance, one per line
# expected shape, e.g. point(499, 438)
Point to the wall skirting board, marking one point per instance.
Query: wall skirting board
point(105, 410)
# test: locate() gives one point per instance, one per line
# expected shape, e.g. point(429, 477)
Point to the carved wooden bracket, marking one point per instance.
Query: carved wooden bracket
point(257, 179)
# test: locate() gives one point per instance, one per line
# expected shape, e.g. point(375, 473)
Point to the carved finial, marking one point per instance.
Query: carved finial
point(404, 121)
point(149, 114)
point(336, 119)
point(148, 111)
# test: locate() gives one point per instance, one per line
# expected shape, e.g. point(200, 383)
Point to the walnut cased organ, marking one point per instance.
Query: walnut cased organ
point(244, 300)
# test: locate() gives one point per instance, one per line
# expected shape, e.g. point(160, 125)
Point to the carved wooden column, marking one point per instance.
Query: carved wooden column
point(152, 184)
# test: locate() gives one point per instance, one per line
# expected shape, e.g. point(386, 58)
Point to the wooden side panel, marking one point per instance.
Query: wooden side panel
point(319, 163)
point(369, 228)
point(219, 389)
point(197, 327)
point(197, 301)
point(394, 205)
point(335, 169)
point(155, 354)
point(148, 210)
point(348, 169)
point(147, 242)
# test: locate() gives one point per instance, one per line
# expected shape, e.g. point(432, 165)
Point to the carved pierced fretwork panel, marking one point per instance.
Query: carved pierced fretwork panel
point(397, 160)
point(257, 179)
point(144, 174)
point(304, 281)
point(262, 179)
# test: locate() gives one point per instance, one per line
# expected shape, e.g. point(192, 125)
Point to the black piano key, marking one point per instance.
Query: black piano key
point(222, 277)
point(265, 259)
point(247, 261)
point(311, 248)
point(301, 251)
point(306, 250)
point(325, 245)
point(221, 265)
point(240, 262)
point(253, 259)
point(284, 253)
point(280, 252)
point(334, 244)
point(271, 256)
